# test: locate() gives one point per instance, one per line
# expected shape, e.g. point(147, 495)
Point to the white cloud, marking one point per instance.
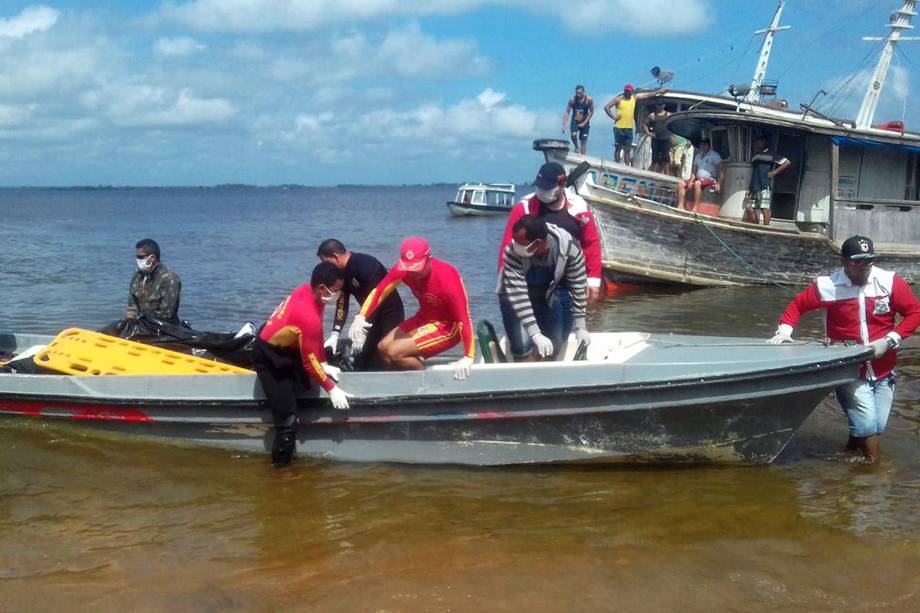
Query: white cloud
point(409, 52)
point(11, 115)
point(31, 19)
point(653, 17)
point(182, 45)
point(146, 106)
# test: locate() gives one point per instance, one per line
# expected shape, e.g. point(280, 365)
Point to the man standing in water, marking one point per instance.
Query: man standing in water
point(564, 209)
point(582, 109)
point(154, 289)
point(361, 273)
point(860, 302)
point(443, 317)
point(624, 120)
point(291, 343)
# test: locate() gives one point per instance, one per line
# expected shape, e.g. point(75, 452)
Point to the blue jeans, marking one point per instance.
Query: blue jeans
point(867, 405)
point(554, 319)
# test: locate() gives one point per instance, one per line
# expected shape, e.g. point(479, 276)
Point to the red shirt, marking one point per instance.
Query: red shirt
point(578, 209)
point(298, 323)
point(860, 313)
point(441, 297)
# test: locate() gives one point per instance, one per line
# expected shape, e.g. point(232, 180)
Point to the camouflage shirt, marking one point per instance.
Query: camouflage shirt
point(155, 293)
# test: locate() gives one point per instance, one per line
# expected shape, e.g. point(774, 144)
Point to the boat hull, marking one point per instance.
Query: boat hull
point(613, 409)
point(463, 209)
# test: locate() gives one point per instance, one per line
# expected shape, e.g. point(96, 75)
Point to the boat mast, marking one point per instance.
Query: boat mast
point(760, 73)
point(900, 20)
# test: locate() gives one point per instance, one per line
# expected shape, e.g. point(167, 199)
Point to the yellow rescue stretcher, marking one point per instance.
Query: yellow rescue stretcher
point(82, 352)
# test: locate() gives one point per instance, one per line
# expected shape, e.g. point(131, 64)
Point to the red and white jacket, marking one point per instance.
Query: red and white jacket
point(860, 313)
point(578, 210)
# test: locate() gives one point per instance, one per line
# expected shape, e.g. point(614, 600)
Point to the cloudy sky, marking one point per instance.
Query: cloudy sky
point(320, 92)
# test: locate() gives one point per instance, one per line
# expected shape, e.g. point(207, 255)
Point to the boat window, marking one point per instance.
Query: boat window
point(467, 196)
point(498, 198)
point(912, 190)
point(719, 140)
point(479, 197)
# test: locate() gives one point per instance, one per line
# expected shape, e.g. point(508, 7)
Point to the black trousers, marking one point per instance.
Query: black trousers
point(384, 322)
point(281, 374)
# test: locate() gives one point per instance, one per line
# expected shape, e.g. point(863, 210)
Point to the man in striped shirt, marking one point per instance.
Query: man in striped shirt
point(540, 260)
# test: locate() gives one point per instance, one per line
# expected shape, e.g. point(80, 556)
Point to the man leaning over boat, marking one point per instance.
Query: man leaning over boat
point(291, 343)
point(540, 261)
point(564, 209)
point(860, 302)
point(442, 321)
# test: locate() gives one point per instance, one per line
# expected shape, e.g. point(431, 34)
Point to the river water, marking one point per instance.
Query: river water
point(90, 522)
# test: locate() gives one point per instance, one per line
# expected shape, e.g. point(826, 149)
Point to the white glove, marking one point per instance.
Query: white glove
point(331, 371)
point(462, 368)
point(879, 347)
point(780, 338)
point(544, 345)
point(339, 398)
point(332, 342)
point(357, 333)
point(582, 336)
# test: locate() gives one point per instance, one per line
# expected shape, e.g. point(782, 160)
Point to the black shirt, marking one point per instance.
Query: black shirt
point(761, 165)
point(362, 274)
point(561, 219)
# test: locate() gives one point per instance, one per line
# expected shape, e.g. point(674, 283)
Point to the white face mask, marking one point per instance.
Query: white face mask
point(143, 264)
point(546, 196)
point(524, 251)
point(330, 298)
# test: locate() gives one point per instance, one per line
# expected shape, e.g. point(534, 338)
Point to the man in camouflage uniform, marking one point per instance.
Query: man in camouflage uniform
point(154, 288)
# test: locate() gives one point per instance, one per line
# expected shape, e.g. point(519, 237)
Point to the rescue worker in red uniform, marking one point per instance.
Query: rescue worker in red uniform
point(291, 344)
point(442, 321)
point(860, 302)
point(565, 210)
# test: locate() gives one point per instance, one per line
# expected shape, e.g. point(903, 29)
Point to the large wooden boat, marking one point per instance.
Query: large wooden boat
point(846, 178)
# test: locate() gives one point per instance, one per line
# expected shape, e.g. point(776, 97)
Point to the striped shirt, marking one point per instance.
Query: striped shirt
point(569, 270)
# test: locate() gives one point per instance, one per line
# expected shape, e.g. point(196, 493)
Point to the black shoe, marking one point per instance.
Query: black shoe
point(283, 447)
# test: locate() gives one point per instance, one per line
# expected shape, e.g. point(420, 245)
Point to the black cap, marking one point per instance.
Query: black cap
point(857, 248)
point(550, 175)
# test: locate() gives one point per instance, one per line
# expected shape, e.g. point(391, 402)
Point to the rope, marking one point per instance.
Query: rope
point(750, 267)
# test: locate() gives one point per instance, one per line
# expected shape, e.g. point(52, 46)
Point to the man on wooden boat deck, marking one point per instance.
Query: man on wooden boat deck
point(539, 259)
point(154, 289)
point(765, 165)
point(582, 109)
point(291, 343)
point(566, 210)
point(443, 318)
point(362, 273)
point(707, 172)
point(624, 120)
point(860, 303)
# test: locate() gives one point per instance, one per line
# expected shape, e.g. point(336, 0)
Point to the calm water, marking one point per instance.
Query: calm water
point(102, 523)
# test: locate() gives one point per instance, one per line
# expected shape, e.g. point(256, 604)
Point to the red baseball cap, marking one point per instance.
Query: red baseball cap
point(628, 87)
point(413, 254)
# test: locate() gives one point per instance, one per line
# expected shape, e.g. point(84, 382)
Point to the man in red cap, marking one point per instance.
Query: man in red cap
point(624, 120)
point(443, 318)
point(566, 210)
point(860, 302)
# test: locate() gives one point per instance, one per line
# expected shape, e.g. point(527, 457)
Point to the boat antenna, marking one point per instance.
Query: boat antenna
point(760, 73)
point(898, 22)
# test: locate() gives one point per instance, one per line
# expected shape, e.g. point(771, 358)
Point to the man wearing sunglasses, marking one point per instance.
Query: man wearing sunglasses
point(154, 288)
point(860, 302)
